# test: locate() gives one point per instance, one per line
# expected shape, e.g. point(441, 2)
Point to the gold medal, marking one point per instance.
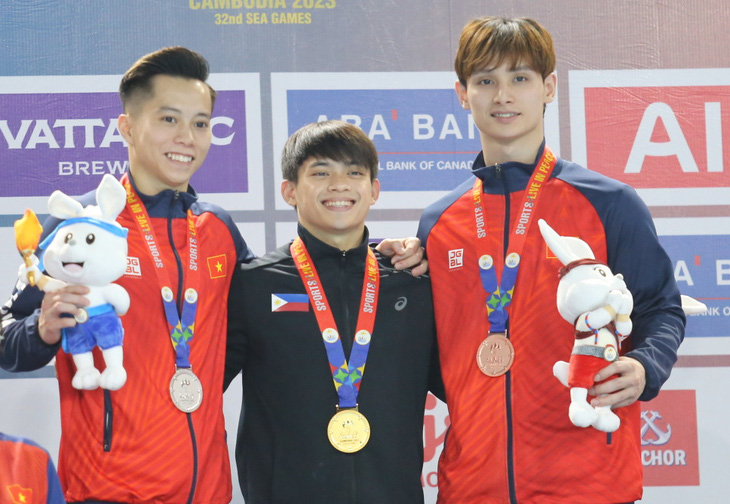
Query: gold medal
point(186, 390)
point(349, 430)
point(495, 355)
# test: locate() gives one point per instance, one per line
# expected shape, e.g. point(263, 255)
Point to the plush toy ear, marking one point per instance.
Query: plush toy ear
point(566, 248)
point(110, 197)
point(556, 244)
point(693, 307)
point(63, 207)
point(578, 247)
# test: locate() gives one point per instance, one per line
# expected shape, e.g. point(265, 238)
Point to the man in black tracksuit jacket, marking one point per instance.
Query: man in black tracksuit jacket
point(284, 453)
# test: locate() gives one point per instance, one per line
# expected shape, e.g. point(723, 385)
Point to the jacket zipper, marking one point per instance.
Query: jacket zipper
point(108, 420)
point(346, 325)
point(180, 286)
point(508, 375)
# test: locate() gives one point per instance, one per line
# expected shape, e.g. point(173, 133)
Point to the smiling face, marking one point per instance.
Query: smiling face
point(168, 133)
point(507, 104)
point(332, 199)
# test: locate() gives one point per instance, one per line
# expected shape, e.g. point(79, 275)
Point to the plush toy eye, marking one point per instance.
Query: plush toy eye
point(68, 238)
point(90, 238)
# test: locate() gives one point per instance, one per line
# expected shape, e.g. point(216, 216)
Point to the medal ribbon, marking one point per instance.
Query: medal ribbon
point(182, 328)
point(500, 291)
point(347, 376)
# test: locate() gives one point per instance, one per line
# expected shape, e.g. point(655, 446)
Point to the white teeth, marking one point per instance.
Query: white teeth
point(341, 204)
point(179, 157)
point(504, 114)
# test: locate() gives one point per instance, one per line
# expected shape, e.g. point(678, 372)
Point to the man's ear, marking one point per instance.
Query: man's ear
point(551, 87)
point(375, 191)
point(124, 124)
point(288, 192)
point(461, 94)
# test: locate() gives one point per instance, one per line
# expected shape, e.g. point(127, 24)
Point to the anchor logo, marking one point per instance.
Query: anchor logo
point(662, 436)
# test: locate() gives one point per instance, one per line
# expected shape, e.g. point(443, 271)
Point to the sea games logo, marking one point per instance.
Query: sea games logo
point(663, 132)
point(669, 439)
point(61, 133)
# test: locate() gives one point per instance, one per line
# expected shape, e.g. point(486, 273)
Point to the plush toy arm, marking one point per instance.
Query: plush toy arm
point(623, 314)
point(118, 297)
point(44, 282)
point(618, 307)
point(596, 319)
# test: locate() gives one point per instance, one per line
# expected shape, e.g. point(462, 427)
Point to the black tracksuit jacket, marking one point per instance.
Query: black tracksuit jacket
point(283, 453)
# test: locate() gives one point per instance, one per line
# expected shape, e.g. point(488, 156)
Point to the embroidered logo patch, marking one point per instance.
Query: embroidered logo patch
point(218, 266)
point(456, 258)
point(133, 267)
point(289, 302)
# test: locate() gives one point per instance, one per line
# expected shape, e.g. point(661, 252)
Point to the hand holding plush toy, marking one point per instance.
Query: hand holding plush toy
point(599, 305)
point(89, 248)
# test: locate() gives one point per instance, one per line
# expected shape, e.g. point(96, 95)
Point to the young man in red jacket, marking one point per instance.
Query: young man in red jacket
point(510, 439)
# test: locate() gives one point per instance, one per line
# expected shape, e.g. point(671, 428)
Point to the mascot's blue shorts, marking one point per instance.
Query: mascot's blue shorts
point(103, 329)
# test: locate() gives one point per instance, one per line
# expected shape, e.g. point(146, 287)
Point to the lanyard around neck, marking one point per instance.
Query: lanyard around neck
point(501, 291)
point(182, 327)
point(347, 376)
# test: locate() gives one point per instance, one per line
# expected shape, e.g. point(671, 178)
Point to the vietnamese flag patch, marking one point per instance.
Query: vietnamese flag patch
point(20, 495)
point(218, 266)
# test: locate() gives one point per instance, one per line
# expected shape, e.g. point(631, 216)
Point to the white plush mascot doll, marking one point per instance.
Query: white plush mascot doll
point(89, 248)
point(599, 305)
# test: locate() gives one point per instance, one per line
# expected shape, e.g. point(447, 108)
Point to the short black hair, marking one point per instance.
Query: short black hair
point(337, 140)
point(173, 61)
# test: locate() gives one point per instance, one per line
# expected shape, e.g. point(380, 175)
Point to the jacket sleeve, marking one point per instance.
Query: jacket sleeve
point(236, 337)
point(54, 494)
point(658, 320)
point(21, 347)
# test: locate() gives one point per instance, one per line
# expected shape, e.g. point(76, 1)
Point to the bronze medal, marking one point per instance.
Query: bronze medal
point(186, 390)
point(348, 431)
point(495, 355)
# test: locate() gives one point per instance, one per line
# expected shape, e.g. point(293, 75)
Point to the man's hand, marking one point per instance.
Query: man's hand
point(67, 300)
point(623, 390)
point(405, 253)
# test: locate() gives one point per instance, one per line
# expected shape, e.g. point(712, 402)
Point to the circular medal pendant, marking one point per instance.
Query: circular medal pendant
point(348, 431)
point(186, 390)
point(495, 355)
point(82, 317)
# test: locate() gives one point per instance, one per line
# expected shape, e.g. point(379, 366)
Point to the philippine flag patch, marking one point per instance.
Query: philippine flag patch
point(289, 302)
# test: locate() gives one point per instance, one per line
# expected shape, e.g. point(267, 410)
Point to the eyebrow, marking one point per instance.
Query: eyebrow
point(521, 68)
point(165, 108)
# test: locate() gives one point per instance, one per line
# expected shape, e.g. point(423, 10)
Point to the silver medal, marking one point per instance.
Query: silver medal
point(186, 390)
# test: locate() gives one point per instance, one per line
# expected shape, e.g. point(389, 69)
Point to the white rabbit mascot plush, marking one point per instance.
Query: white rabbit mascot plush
point(90, 248)
point(599, 305)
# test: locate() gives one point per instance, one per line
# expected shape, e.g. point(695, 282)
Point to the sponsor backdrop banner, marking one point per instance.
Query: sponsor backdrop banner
point(644, 91)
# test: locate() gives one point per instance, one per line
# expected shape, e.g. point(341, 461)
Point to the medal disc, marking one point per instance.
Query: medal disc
point(495, 355)
point(186, 390)
point(82, 317)
point(348, 431)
